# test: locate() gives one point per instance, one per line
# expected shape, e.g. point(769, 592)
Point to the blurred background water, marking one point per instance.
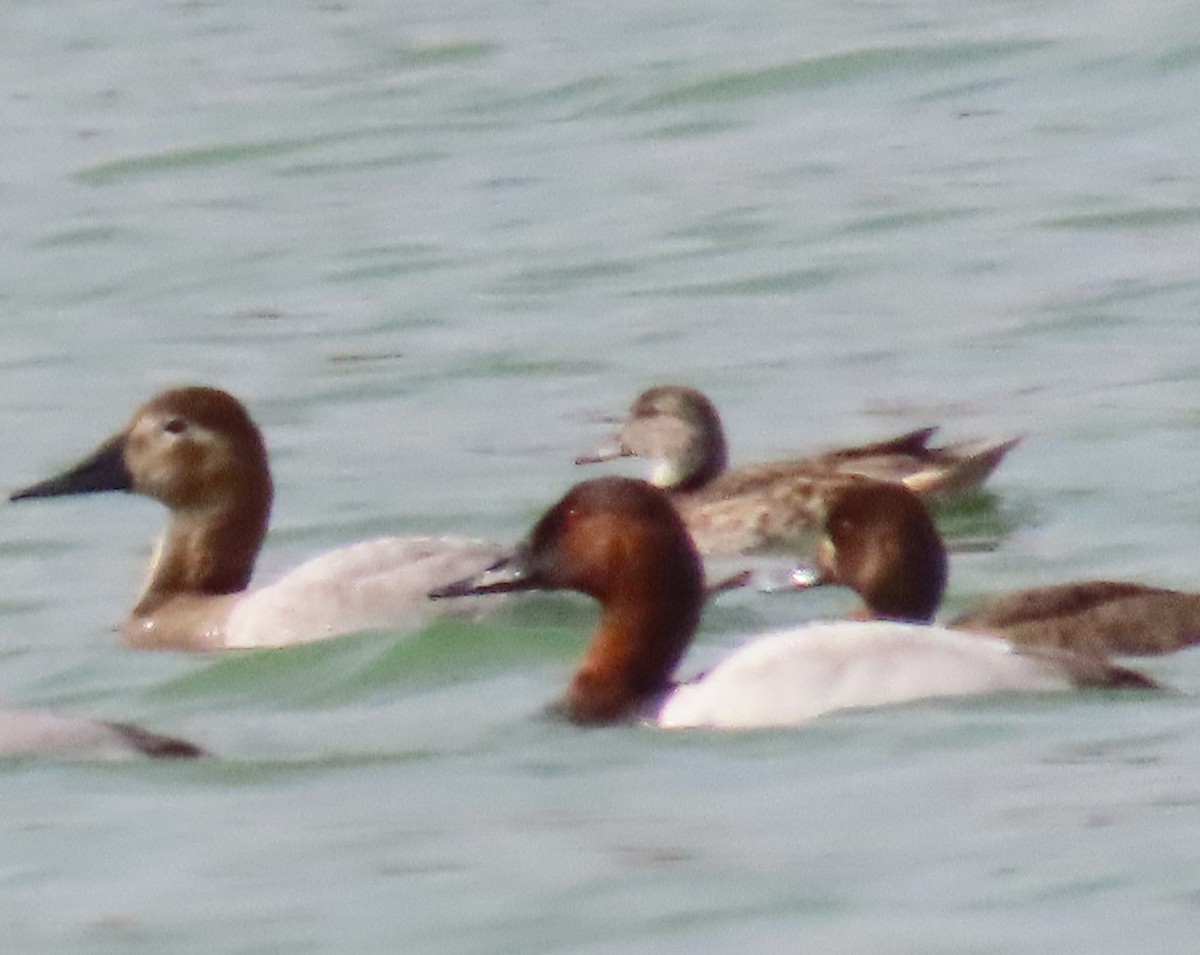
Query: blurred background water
point(427, 243)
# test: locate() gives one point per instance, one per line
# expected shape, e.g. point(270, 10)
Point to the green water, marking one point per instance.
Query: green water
point(427, 243)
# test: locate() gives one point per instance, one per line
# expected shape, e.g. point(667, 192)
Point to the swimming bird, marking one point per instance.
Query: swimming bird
point(620, 541)
point(197, 451)
point(769, 505)
point(1100, 617)
point(881, 542)
point(29, 732)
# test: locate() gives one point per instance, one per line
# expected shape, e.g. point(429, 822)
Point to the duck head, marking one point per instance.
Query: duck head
point(620, 541)
point(675, 428)
point(197, 451)
point(879, 540)
point(189, 448)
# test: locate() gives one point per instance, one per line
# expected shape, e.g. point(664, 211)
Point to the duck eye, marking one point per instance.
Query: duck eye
point(175, 426)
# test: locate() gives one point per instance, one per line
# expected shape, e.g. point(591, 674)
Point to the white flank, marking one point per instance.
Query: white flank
point(792, 676)
point(375, 584)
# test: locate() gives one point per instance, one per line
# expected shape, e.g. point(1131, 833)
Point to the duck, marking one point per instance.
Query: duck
point(1101, 617)
point(881, 542)
point(620, 541)
point(197, 451)
point(25, 732)
point(767, 506)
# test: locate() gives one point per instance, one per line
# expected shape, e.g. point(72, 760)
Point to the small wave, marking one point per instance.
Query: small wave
point(835, 69)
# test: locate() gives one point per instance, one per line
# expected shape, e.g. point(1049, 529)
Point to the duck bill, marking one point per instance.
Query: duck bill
point(505, 576)
point(606, 452)
point(104, 470)
point(822, 570)
point(805, 577)
point(774, 579)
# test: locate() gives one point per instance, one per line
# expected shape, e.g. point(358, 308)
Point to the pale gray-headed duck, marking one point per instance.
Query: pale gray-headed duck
point(769, 505)
point(622, 542)
point(197, 451)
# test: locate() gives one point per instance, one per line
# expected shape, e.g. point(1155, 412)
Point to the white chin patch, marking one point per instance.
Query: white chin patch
point(664, 474)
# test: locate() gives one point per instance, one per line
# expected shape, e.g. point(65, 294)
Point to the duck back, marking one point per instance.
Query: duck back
point(1100, 618)
point(375, 584)
point(793, 676)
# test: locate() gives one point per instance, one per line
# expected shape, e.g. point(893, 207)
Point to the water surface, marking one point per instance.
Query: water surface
point(427, 243)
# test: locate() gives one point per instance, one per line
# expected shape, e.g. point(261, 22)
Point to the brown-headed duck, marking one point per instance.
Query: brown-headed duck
point(882, 543)
point(197, 451)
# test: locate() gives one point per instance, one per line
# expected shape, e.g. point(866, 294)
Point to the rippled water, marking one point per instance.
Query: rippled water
point(427, 243)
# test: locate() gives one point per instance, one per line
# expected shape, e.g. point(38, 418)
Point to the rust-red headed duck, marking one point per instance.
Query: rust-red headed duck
point(621, 541)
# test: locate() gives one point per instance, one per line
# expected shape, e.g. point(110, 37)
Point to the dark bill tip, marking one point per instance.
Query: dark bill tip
point(156, 745)
point(504, 576)
point(104, 470)
point(743, 578)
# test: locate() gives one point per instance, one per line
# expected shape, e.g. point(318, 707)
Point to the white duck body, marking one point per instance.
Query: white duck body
point(790, 677)
point(622, 542)
point(372, 585)
point(198, 452)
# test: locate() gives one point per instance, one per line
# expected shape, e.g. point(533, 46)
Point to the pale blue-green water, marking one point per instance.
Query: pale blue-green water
point(427, 243)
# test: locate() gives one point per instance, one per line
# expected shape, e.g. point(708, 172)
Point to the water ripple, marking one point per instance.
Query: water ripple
point(174, 160)
point(767, 283)
point(1150, 217)
point(832, 70)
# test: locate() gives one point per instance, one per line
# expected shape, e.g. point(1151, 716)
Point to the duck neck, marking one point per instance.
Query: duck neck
point(702, 464)
point(206, 553)
point(909, 598)
point(909, 615)
point(696, 478)
point(641, 637)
